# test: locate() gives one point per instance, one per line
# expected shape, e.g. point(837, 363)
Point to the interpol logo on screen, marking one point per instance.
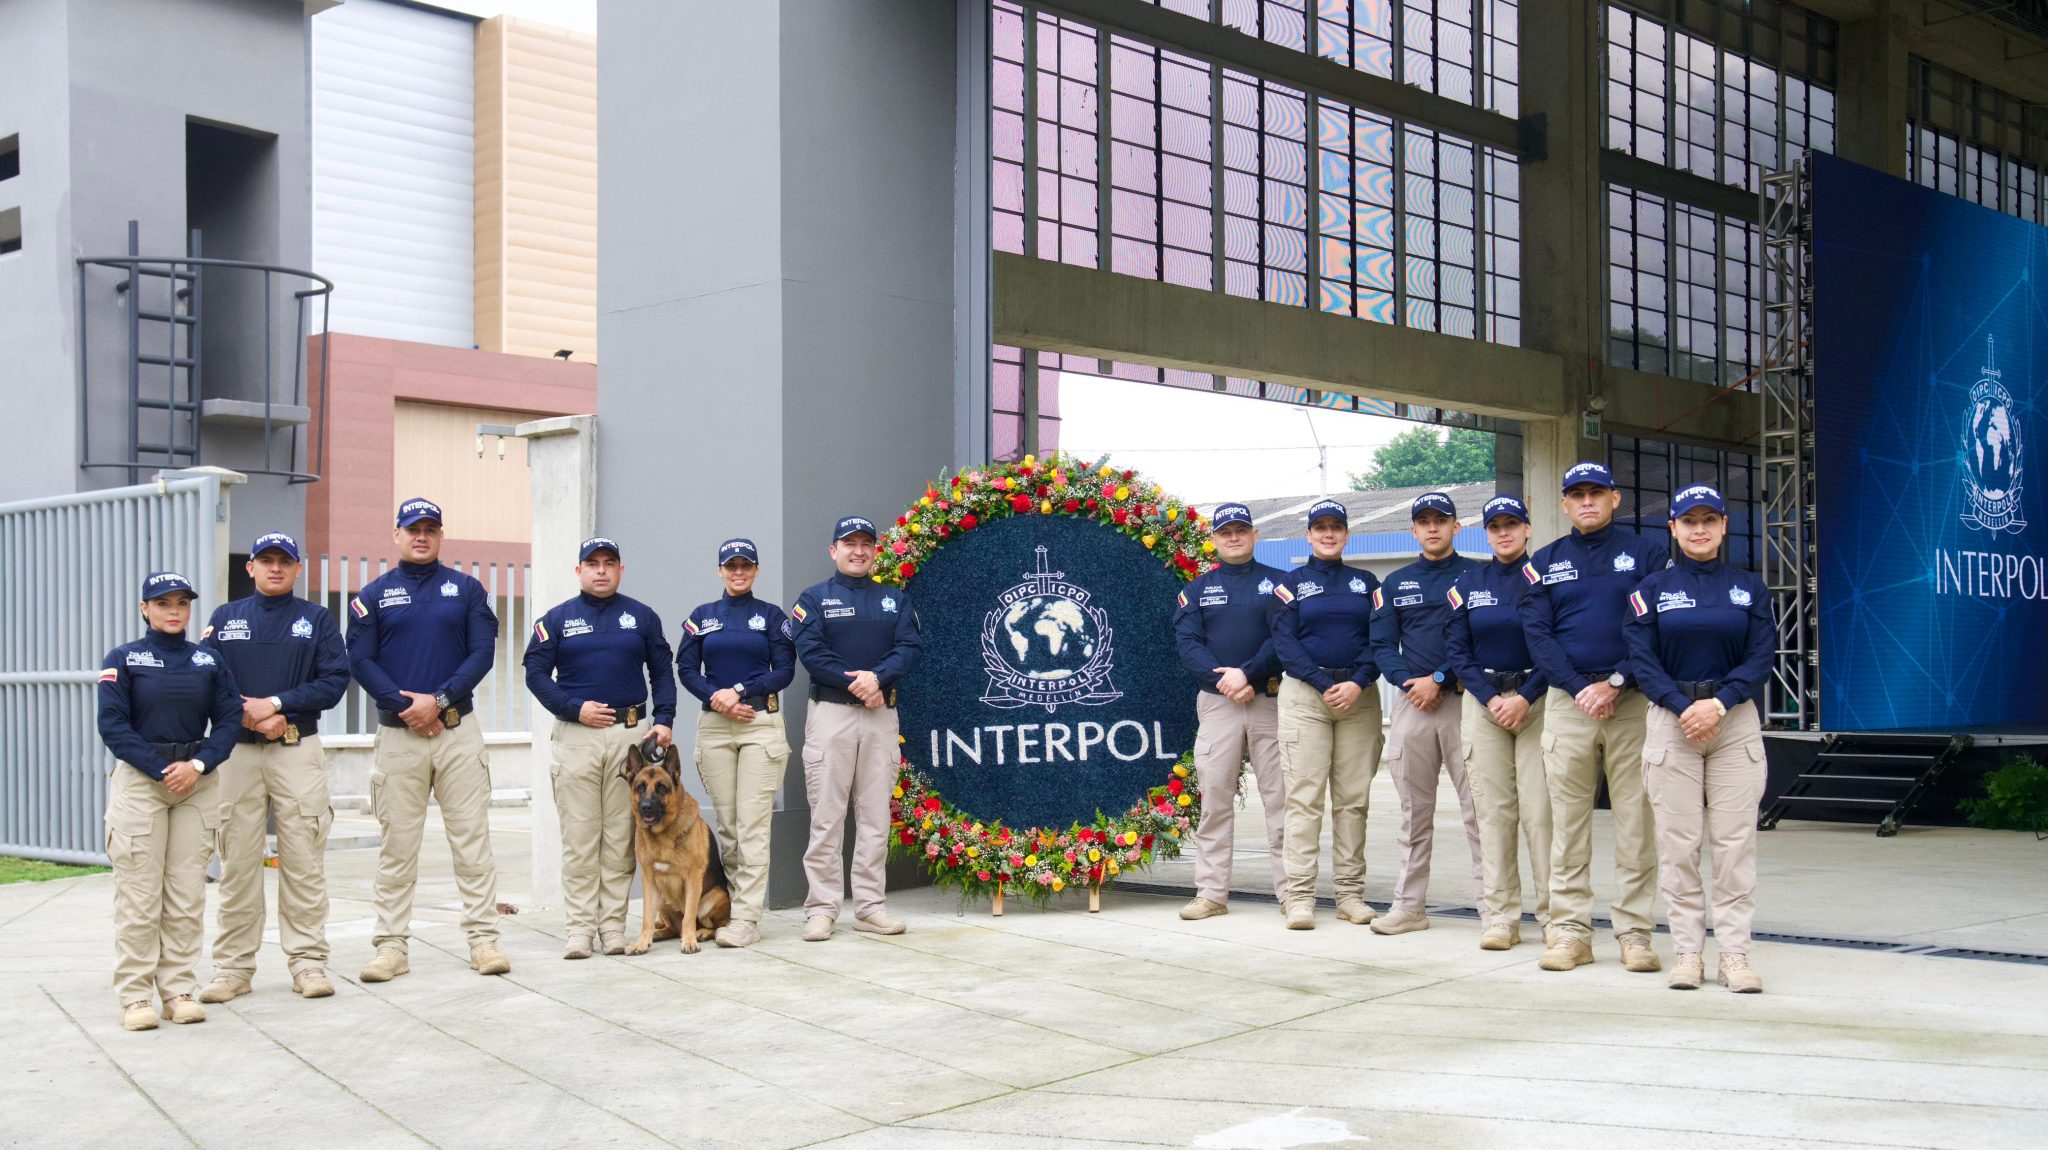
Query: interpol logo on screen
point(1050, 686)
point(1930, 362)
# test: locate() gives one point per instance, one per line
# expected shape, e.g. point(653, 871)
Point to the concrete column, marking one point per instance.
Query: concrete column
point(1870, 94)
point(561, 462)
point(1564, 295)
point(776, 294)
point(213, 582)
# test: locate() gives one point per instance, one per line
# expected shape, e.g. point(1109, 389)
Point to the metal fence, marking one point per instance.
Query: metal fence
point(501, 700)
point(70, 567)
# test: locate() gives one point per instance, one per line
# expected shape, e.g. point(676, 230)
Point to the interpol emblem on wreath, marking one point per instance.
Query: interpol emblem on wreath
point(1044, 645)
point(1991, 452)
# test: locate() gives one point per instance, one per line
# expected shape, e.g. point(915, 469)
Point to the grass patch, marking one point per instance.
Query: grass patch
point(35, 870)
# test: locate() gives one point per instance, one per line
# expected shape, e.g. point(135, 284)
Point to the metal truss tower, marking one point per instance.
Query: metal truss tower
point(1791, 567)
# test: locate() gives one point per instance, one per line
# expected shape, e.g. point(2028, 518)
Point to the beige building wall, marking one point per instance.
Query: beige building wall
point(536, 189)
point(434, 456)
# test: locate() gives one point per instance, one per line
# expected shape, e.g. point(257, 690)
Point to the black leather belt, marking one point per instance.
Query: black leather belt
point(770, 702)
point(391, 719)
point(178, 752)
point(1699, 691)
point(1508, 680)
point(1341, 674)
point(628, 716)
point(842, 695)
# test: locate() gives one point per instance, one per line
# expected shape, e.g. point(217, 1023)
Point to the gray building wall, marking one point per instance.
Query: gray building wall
point(775, 293)
point(101, 92)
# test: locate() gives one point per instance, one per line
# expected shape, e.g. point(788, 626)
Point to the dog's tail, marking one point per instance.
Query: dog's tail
point(714, 863)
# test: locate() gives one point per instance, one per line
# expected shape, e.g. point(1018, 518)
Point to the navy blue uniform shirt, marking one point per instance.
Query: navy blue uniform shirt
point(1325, 620)
point(608, 650)
point(1225, 619)
point(852, 623)
point(739, 642)
point(421, 627)
point(1486, 629)
point(1411, 620)
point(1699, 622)
point(165, 689)
point(1573, 614)
point(284, 646)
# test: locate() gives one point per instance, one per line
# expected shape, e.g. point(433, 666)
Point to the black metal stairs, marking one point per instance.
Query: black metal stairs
point(1882, 775)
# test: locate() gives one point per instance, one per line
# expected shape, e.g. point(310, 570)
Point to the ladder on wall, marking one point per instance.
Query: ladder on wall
point(1881, 775)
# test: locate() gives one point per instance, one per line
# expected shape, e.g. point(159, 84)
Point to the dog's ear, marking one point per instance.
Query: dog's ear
point(651, 750)
point(632, 765)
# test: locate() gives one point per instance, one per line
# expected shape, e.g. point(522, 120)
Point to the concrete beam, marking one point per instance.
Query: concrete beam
point(1665, 407)
point(1673, 184)
point(1082, 311)
point(1232, 48)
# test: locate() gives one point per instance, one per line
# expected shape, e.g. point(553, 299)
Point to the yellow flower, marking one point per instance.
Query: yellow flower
point(1158, 490)
point(1172, 513)
point(916, 530)
point(1208, 547)
point(1106, 471)
point(1113, 868)
point(877, 577)
point(900, 740)
point(1123, 493)
point(1045, 507)
point(1186, 798)
point(1030, 461)
point(1180, 770)
point(977, 828)
point(1149, 540)
point(1059, 884)
point(1130, 838)
point(927, 824)
point(1031, 860)
point(1094, 855)
point(924, 501)
point(974, 852)
point(896, 792)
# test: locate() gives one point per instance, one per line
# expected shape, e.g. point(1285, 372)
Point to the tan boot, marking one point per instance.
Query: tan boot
point(1637, 954)
point(578, 946)
point(183, 1011)
point(1355, 910)
point(1737, 976)
point(138, 1016)
point(224, 988)
point(1301, 915)
point(879, 922)
point(389, 964)
point(1398, 921)
point(818, 928)
point(1566, 952)
point(1201, 908)
point(736, 934)
point(1688, 972)
point(312, 984)
point(1501, 936)
point(612, 941)
point(486, 958)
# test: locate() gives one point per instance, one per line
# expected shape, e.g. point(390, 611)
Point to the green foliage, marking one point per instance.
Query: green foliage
point(33, 870)
point(1417, 459)
point(2015, 798)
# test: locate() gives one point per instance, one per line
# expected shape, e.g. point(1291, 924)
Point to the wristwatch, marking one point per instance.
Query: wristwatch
point(1721, 707)
point(442, 701)
point(1617, 680)
point(276, 704)
point(1438, 678)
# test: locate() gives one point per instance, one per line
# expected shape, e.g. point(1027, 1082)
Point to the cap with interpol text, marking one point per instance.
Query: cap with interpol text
point(275, 541)
point(413, 510)
point(1508, 505)
point(733, 549)
point(1698, 495)
point(1329, 509)
point(852, 525)
point(163, 583)
point(1435, 501)
point(1587, 472)
point(595, 544)
point(1228, 513)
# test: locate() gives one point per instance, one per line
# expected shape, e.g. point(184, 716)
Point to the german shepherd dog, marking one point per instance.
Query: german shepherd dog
point(682, 881)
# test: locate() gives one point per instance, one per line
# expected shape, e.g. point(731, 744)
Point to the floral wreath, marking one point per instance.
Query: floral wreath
point(985, 859)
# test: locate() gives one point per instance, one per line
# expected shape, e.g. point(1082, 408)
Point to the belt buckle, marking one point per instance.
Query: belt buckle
point(291, 734)
point(774, 702)
point(450, 717)
point(1272, 686)
point(633, 716)
point(890, 698)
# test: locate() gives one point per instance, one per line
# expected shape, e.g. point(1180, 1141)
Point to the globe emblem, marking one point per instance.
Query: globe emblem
point(1048, 637)
point(1991, 452)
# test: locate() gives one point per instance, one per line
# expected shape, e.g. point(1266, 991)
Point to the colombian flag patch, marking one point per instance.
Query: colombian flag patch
point(1182, 598)
point(1285, 592)
point(1379, 599)
point(111, 675)
point(1635, 599)
point(1457, 600)
point(1529, 573)
point(798, 613)
point(690, 625)
point(540, 630)
point(356, 605)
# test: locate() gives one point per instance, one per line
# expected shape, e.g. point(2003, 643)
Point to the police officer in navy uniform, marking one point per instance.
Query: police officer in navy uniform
point(1593, 719)
point(1503, 721)
point(287, 658)
point(1329, 716)
point(737, 658)
point(1701, 640)
point(1410, 625)
point(595, 661)
point(168, 710)
point(1223, 625)
point(420, 638)
point(856, 637)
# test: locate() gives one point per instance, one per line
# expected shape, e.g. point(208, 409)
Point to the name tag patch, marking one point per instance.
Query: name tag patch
point(838, 612)
point(1674, 600)
point(572, 627)
point(233, 629)
point(1483, 599)
point(144, 659)
point(394, 597)
point(1407, 600)
point(1215, 600)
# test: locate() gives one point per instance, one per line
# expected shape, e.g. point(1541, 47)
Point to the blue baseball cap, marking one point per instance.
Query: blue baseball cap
point(1435, 501)
point(275, 541)
point(1228, 513)
point(595, 544)
point(733, 549)
point(1698, 495)
point(164, 583)
point(1587, 472)
point(1508, 505)
point(413, 510)
point(1329, 509)
point(853, 524)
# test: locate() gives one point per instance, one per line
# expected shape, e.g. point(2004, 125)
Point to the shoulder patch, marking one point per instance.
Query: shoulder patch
point(356, 605)
point(540, 630)
point(1456, 600)
point(1286, 595)
point(799, 614)
point(1635, 601)
point(111, 675)
point(1379, 597)
point(1529, 573)
point(1182, 599)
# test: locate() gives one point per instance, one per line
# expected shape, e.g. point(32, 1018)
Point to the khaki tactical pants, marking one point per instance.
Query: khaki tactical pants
point(1228, 732)
point(741, 764)
point(1707, 791)
point(1508, 791)
point(1575, 751)
point(450, 765)
point(1327, 752)
point(850, 755)
point(1420, 746)
point(257, 781)
point(159, 845)
point(595, 804)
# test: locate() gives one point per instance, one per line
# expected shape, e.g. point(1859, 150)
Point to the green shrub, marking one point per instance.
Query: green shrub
point(2015, 798)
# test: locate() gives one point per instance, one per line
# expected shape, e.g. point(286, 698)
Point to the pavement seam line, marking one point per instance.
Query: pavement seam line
point(498, 1058)
point(351, 1091)
point(69, 885)
point(118, 1068)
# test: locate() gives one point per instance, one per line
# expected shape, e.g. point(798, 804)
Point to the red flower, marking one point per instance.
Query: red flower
point(1173, 787)
point(1122, 517)
point(1184, 563)
point(1044, 490)
point(968, 521)
point(1130, 475)
point(1109, 490)
point(1024, 469)
point(1091, 504)
point(1146, 842)
point(1085, 835)
point(1020, 503)
point(907, 570)
point(906, 837)
point(902, 520)
point(931, 803)
point(1072, 505)
point(956, 481)
point(945, 831)
point(982, 875)
point(944, 531)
